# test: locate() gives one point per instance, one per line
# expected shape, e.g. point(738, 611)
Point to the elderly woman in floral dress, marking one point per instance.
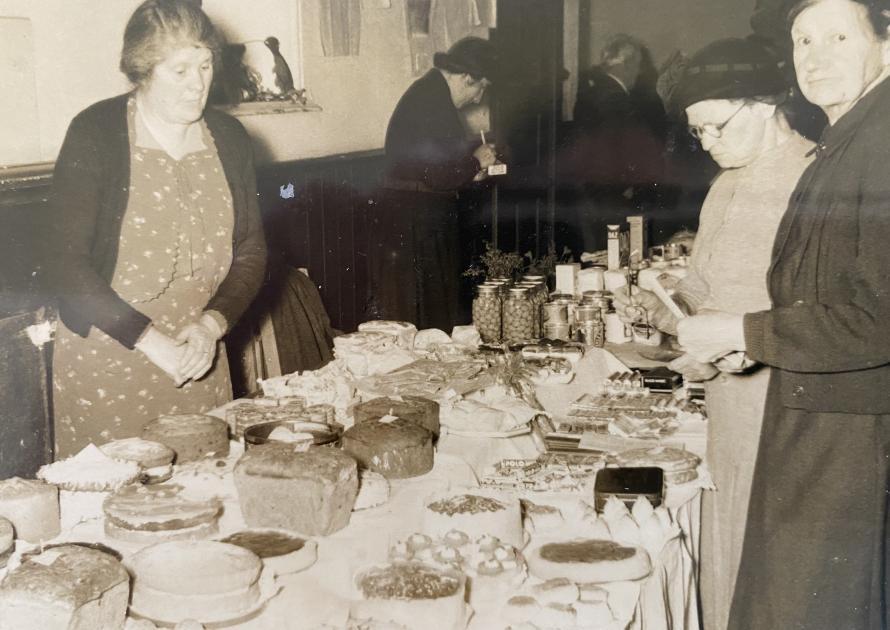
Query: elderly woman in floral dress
point(156, 237)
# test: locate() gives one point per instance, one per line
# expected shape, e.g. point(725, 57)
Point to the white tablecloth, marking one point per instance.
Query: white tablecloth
point(321, 594)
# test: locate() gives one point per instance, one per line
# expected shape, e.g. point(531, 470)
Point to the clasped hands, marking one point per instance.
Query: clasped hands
point(189, 355)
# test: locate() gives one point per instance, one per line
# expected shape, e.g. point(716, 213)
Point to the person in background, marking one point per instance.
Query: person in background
point(156, 239)
point(815, 553)
point(619, 132)
point(415, 271)
point(732, 92)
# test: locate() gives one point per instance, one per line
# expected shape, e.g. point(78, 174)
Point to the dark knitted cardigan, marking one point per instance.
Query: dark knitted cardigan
point(90, 192)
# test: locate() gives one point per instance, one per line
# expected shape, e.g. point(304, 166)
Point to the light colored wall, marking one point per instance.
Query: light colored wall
point(77, 49)
point(686, 25)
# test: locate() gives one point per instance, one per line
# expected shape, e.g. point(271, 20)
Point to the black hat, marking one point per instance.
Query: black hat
point(729, 69)
point(470, 55)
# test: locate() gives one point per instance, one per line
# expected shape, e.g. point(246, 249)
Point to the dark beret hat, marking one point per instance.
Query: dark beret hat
point(729, 69)
point(470, 55)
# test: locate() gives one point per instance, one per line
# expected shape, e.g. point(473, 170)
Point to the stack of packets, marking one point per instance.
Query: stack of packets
point(551, 472)
point(622, 409)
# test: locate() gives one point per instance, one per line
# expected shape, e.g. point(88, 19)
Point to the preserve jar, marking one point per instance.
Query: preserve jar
point(518, 320)
point(487, 312)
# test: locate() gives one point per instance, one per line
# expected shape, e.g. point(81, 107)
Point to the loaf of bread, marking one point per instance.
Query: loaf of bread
point(312, 492)
point(32, 507)
point(65, 588)
point(192, 436)
point(396, 449)
point(421, 411)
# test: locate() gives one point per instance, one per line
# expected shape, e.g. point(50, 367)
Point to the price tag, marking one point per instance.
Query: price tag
point(497, 169)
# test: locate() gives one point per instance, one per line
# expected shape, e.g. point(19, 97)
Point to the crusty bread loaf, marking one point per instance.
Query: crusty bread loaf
point(397, 450)
point(32, 507)
point(311, 492)
point(192, 436)
point(65, 588)
point(419, 410)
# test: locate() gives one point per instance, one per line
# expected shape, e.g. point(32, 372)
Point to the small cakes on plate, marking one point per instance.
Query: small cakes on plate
point(475, 512)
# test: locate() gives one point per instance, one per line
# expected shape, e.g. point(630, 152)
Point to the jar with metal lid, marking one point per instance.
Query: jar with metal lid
point(487, 306)
point(569, 302)
point(518, 320)
point(538, 296)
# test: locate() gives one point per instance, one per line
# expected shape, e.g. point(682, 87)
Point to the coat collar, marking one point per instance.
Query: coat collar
point(833, 136)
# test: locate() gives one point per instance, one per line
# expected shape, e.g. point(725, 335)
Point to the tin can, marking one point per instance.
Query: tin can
point(555, 313)
point(554, 330)
point(586, 313)
point(593, 333)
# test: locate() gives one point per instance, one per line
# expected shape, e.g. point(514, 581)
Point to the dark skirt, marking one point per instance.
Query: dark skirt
point(815, 546)
point(415, 259)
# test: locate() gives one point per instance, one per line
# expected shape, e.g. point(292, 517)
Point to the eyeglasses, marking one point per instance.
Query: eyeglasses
point(715, 130)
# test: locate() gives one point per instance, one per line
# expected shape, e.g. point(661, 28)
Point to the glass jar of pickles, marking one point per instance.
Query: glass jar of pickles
point(487, 312)
point(518, 320)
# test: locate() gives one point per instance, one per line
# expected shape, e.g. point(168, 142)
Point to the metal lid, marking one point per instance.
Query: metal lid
point(487, 289)
point(518, 291)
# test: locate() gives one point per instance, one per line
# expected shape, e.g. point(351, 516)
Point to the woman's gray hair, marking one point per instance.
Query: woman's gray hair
point(157, 27)
point(878, 14)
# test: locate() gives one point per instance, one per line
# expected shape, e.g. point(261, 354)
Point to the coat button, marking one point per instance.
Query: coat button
point(797, 391)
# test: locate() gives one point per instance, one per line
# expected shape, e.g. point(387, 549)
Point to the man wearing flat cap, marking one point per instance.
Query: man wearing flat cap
point(415, 269)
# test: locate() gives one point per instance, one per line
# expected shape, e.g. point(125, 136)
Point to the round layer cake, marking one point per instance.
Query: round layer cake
point(679, 465)
point(397, 450)
point(406, 592)
point(32, 507)
point(476, 513)
point(155, 459)
point(310, 492)
point(192, 436)
point(421, 411)
point(201, 580)
point(589, 561)
point(158, 513)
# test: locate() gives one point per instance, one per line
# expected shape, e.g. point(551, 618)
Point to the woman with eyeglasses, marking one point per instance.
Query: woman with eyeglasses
point(815, 553)
point(732, 92)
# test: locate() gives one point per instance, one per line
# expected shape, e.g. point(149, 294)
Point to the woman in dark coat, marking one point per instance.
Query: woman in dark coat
point(415, 272)
point(815, 547)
